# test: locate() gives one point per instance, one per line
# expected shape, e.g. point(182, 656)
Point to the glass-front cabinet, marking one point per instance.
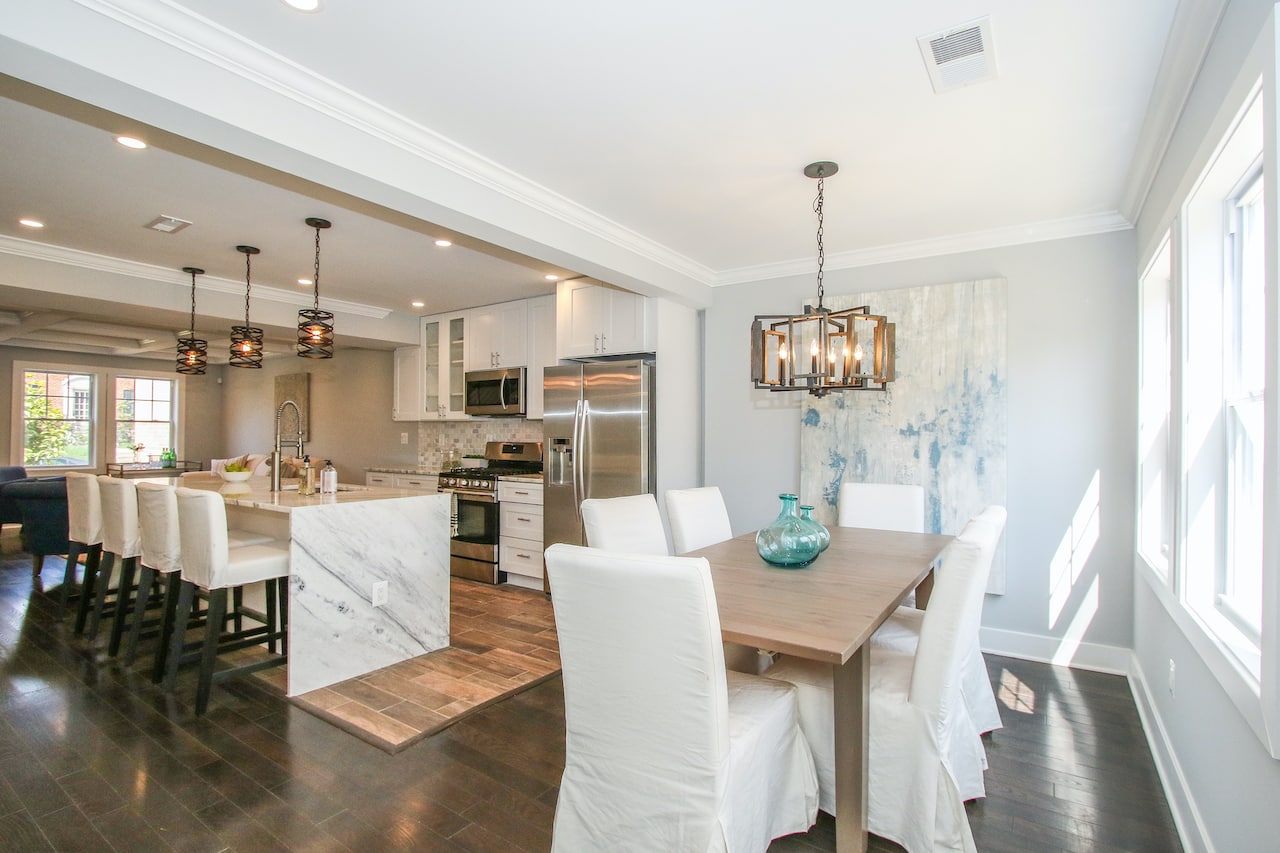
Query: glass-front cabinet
point(444, 351)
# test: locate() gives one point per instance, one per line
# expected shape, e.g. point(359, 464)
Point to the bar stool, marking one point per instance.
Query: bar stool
point(162, 555)
point(120, 542)
point(84, 530)
point(209, 564)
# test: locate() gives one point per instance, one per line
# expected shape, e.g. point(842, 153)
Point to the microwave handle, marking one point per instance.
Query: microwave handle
point(502, 390)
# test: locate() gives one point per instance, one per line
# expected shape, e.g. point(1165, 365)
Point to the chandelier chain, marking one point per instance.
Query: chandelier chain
point(817, 207)
point(247, 285)
point(316, 278)
point(193, 304)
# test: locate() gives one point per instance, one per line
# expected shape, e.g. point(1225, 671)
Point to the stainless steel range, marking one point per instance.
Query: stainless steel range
point(474, 544)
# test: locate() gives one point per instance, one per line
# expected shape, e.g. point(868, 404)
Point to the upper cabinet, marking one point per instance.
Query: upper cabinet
point(497, 336)
point(444, 352)
point(406, 402)
point(595, 319)
point(542, 349)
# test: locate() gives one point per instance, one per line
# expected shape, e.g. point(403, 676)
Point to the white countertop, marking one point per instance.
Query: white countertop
point(420, 471)
point(255, 493)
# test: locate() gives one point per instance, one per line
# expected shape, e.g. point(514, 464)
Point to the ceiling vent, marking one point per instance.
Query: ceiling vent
point(960, 56)
point(167, 224)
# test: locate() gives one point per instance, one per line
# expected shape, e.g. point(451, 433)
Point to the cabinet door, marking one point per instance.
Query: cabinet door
point(372, 478)
point(542, 350)
point(406, 401)
point(432, 372)
point(497, 336)
point(421, 482)
point(624, 328)
point(581, 306)
point(444, 351)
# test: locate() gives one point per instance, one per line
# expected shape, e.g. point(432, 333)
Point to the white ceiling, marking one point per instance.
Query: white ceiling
point(656, 143)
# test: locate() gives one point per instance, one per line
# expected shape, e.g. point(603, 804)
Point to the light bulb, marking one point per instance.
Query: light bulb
point(857, 352)
point(782, 350)
point(813, 349)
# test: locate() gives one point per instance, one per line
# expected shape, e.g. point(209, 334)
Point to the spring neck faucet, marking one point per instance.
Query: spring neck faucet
point(295, 442)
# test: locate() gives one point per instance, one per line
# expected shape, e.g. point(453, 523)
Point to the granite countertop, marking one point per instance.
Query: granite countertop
point(428, 472)
point(528, 478)
point(255, 493)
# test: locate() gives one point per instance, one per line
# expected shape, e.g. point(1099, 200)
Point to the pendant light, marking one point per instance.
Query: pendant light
point(315, 327)
point(246, 340)
point(836, 342)
point(193, 352)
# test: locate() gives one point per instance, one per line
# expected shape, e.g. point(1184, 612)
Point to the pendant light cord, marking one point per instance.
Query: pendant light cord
point(817, 207)
point(315, 305)
point(247, 285)
point(192, 327)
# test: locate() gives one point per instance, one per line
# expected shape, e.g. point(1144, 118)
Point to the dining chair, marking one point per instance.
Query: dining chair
point(664, 749)
point(121, 543)
point(84, 530)
point(698, 518)
point(926, 757)
point(631, 524)
point(211, 565)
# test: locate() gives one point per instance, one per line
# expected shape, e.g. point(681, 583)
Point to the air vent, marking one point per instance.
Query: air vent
point(167, 224)
point(960, 56)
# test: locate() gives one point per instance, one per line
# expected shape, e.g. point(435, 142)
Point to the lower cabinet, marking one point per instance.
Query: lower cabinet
point(520, 532)
point(417, 482)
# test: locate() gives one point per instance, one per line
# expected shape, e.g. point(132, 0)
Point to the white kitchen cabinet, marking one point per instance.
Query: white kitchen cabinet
point(595, 319)
point(444, 352)
point(520, 532)
point(418, 482)
point(542, 350)
point(406, 398)
point(497, 336)
point(379, 478)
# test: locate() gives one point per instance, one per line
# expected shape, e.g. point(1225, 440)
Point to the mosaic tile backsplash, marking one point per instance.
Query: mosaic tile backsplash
point(436, 438)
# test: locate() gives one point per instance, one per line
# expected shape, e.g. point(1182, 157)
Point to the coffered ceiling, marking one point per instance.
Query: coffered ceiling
point(658, 146)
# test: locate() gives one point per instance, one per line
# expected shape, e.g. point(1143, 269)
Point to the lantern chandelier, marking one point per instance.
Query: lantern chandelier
point(835, 342)
point(315, 327)
point(193, 352)
point(246, 340)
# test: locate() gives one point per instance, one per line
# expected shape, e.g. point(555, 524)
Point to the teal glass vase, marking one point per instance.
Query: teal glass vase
point(789, 542)
point(824, 535)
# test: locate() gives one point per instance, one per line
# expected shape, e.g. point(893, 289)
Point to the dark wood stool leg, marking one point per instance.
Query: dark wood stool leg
point(69, 577)
point(237, 608)
point(282, 591)
point(126, 604)
point(103, 583)
point(269, 588)
point(37, 565)
point(92, 565)
point(173, 585)
point(146, 577)
point(213, 631)
point(181, 614)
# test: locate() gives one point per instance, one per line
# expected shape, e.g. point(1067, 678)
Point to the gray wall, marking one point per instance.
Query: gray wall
point(203, 396)
point(350, 411)
point(1227, 784)
point(1072, 384)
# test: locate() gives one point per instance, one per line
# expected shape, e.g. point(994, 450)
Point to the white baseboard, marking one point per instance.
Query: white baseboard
point(1186, 817)
point(1091, 656)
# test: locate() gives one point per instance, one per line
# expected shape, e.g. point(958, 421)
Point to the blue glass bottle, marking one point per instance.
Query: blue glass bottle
point(788, 542)
point(824, 535)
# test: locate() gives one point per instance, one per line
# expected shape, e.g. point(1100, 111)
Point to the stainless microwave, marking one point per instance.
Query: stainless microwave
point(495, 392)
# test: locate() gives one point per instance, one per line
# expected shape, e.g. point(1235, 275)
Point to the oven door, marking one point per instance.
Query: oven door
point(473, 547)
point(495, 392)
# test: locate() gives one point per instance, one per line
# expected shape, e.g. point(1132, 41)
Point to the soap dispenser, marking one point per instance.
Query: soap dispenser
point(328, 479)
point(308, 484)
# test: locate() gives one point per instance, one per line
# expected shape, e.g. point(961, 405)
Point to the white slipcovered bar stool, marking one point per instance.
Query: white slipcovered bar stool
point(211, 565)
point(120, 542)
point(926, 757)
point(631, 524)
point(698, 518)
point(84, 529)
point(664, 749)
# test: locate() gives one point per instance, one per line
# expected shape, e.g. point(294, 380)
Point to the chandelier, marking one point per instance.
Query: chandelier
point(822, 350)
point(246, 340)
point(193, 352)
point(315, 327)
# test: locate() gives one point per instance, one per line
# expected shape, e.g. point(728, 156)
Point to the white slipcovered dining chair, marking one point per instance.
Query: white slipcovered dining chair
point(698, 518)
point(122, 544)
point(893, 506)
point(84, 532)
point(926, 758)
point(631, 524)
point(665, 750)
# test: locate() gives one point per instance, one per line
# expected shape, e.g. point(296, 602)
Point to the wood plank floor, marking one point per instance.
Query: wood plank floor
point(93, 757)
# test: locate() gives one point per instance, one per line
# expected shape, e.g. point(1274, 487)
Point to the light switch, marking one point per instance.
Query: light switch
point(404, 438)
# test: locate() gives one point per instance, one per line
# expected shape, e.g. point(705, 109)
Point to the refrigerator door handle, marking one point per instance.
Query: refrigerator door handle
point(579, 430)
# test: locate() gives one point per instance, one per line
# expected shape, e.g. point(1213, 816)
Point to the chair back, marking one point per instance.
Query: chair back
point(202, 530)
point(954, 613)
point(84, 509)
point(630, 524)
point(698, 518)
point(119, 516)
point(884, 506)
point(646, 702)
point(158, 527)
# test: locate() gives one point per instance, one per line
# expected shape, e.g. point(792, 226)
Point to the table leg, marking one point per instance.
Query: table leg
point(852, 688)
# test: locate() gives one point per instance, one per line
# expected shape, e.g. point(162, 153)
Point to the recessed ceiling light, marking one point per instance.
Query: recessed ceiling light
point(550, 277)
point(31, 223)
point(418, 303)
point(305, 282)
point(131, 142)
point(444, 243)
point(303, 5)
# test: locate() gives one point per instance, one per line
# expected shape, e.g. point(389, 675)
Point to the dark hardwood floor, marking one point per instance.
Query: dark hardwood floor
point(93, 757)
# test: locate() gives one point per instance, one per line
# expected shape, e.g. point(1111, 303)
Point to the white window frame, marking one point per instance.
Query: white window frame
point(102, 403)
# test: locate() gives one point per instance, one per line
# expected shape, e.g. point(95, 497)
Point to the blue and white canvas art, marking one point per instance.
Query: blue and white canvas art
point(942, 424)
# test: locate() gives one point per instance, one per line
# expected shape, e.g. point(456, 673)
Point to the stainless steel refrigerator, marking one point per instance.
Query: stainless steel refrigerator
point(598, 440)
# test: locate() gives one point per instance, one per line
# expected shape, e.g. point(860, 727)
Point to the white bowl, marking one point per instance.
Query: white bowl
point(234, 476)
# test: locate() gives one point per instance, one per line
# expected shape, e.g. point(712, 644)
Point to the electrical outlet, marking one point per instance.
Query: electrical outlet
point(379, 594)
point(404, 438)
point(1171, 673)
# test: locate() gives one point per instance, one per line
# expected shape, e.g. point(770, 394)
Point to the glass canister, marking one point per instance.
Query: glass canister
point(824, 535)
point(789, 542)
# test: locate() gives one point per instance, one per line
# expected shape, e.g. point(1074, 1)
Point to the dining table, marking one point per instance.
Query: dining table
point(827, 611)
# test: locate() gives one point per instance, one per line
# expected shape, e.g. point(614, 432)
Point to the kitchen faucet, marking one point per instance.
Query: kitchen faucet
point(296, 442)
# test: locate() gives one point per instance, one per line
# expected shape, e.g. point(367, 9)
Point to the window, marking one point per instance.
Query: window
point(1155, 504)
point(83, 416)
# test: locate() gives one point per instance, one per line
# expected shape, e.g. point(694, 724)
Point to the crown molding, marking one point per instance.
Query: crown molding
point(1190, 36)
point(184, 30)
point(49, 253)
point(1014, 235)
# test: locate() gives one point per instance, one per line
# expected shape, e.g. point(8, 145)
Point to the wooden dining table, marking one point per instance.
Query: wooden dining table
point(827, 611)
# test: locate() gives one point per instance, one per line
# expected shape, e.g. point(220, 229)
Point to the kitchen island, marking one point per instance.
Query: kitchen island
point(348, 550)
